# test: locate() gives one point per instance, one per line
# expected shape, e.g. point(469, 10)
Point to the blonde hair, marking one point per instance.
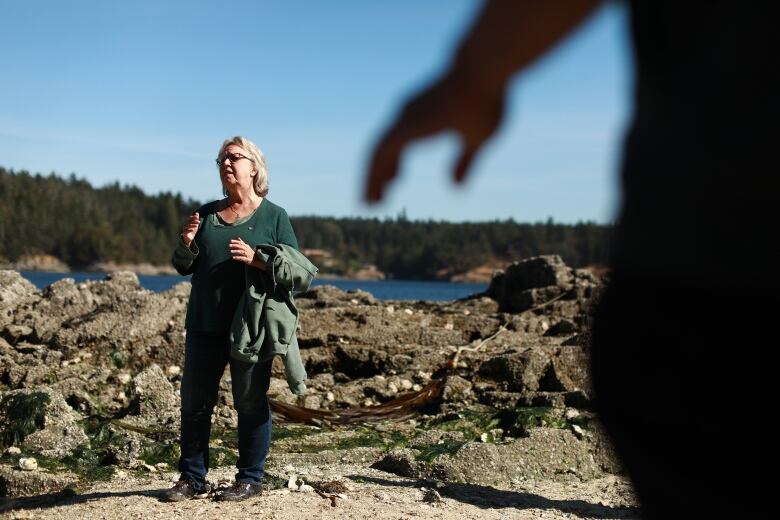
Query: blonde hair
point(254, 154)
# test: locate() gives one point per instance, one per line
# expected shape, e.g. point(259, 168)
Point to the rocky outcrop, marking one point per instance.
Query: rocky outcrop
point(107, 356)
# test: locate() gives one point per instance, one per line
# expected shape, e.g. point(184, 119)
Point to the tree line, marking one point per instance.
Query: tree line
point(80, 224)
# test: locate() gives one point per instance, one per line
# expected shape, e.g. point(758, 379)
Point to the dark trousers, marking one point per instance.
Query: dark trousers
point(682, 381)
point(205, 358)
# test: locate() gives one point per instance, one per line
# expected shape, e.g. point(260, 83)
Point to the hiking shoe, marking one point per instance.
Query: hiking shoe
point(240, 491)
point(184, 490)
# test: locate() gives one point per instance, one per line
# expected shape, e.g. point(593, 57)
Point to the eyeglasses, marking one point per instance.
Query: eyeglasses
point(232, 157)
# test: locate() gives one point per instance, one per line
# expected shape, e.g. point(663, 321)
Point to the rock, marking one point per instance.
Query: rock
point(28, 464)
point(324, 296)
point(15, 291)
point(154, 403)
point(530, 282)
point(40, 421)
point(124, 378)
point(14, 333)
point(12, 450)
point(571, 369)
point(563, 327)
point(400, 462)
point(305, 488)
point(312, 401)
point(332, 487)
point(456, 388)
point(522, 371)
point(16, 483)
point(361, 361)
point(172, 371)
point(431, 496)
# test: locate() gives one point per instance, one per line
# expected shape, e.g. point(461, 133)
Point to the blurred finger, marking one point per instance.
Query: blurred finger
point(463, 165)
point(384, 167)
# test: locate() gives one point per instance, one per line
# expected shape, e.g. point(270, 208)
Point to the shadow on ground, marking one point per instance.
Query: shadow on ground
point(488, 497)
point(68, 497)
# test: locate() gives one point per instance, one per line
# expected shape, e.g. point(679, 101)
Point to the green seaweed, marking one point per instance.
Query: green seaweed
point(222, 457)
point(24, 415)
point(515, 422)
point(368, 438)
point(118, 359)
point(293, 432)
point(83, 462)
point(430, 452)
point(156, 452)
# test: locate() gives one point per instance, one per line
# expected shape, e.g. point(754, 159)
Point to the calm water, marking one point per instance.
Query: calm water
point(383, 290)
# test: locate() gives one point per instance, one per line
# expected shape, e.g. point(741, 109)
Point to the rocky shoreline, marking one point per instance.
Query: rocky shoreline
point(90, 376)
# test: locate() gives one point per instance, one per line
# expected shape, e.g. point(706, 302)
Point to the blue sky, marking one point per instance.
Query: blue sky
point(144, 92)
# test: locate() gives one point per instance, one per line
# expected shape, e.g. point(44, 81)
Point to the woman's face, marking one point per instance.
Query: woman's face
point(236, 169)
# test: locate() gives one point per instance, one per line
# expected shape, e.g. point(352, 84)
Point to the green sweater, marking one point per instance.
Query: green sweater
point(217, 280)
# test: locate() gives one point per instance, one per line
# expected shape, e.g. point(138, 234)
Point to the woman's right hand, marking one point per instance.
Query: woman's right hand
point(190, 228)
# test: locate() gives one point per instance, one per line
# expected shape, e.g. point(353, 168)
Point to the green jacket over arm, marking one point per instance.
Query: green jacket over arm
point(265, 322)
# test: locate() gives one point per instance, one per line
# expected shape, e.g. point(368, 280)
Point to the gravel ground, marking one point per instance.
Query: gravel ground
point(371, 494)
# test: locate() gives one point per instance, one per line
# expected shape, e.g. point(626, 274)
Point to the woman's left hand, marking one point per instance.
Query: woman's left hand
point(242, 252)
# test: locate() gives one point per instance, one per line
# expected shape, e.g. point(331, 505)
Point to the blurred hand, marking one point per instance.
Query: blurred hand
point(449, 104)
point(190, 228)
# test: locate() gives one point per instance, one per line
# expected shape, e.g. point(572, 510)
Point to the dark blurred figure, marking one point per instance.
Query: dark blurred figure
point(682, 337)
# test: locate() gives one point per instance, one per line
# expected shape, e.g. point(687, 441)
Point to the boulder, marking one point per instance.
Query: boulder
point(547, 453)
point(154, 404)
point(521, 371)
point(17, 483)
point(564, 327)
point(15, 290)
point(513, 288)
point(40, 421)
point(401, 462)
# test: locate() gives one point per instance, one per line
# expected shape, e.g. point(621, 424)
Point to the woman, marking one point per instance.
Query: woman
point(216, 246)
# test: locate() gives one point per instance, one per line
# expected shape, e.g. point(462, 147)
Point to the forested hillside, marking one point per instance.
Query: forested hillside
point(81, 225)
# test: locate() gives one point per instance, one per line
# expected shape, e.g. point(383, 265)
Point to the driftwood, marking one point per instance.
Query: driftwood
point(402, 407)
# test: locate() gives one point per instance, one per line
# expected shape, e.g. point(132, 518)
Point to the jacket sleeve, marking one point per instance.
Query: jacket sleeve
point(284, 230)
point(294, 371)
point(287, 266)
